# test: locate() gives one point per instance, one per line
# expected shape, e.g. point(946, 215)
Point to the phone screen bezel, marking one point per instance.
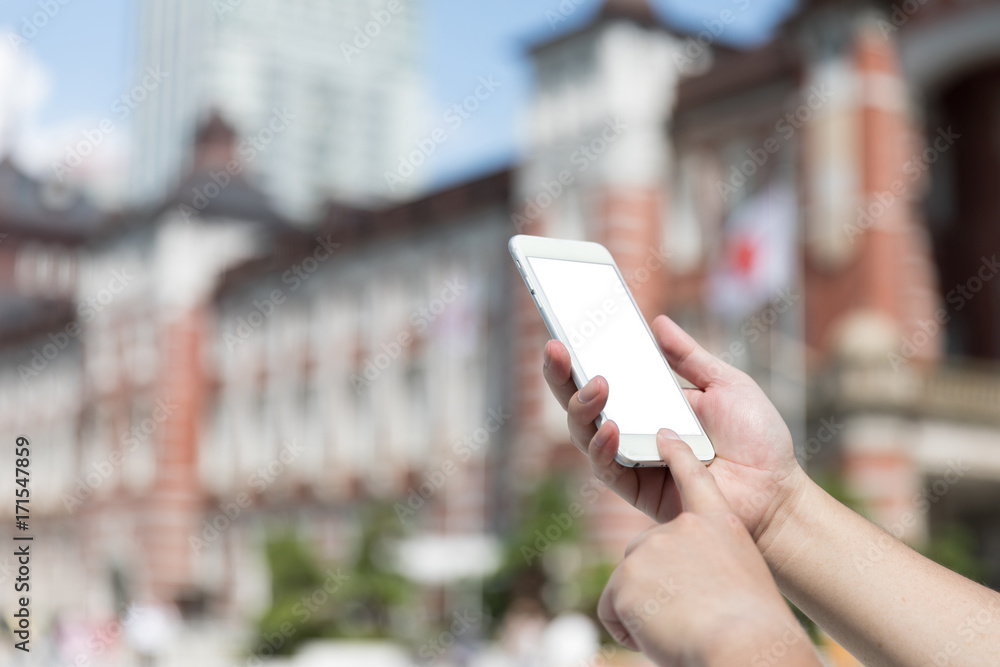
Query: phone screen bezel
point(635, 449)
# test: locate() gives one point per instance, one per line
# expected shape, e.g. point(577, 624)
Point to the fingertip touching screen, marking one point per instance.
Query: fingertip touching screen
point(606, 331)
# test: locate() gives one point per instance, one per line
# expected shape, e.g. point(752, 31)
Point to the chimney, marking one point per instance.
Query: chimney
point(214, 145)
point(638, 10)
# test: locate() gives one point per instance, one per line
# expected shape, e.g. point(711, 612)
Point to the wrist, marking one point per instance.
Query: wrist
point(759, 639)
point(777, 534)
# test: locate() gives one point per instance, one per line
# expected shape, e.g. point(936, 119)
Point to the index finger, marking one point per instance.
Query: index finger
point(696, 485)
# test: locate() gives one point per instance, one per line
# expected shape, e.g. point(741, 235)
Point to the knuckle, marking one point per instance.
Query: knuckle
point(660, 540)
point(573, 424)
point(633, 545)
point(621, 604)
point(551, 384)
point(598, 471)
point(574, 406)
point(628, 567)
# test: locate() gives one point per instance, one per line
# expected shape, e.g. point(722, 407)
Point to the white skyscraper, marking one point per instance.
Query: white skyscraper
point(338, 78)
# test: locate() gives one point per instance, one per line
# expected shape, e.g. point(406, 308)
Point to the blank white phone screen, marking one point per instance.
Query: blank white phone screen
point(607, 335)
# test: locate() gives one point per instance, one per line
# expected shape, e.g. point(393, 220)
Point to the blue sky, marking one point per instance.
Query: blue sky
point(467, 39)
point(88, 55)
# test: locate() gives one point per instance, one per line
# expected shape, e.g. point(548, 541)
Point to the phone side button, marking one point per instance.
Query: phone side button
point(529, 285)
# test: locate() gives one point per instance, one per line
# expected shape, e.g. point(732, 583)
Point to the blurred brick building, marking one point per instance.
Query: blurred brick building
point(229, 373)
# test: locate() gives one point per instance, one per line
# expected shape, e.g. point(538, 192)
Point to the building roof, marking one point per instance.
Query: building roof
point(217, 186)
point(733, 72)
point(238, 199)
point(638, 10)
point(33, 207)
point(353, 227)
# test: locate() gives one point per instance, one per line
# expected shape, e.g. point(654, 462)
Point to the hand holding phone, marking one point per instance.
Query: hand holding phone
point(755, 464)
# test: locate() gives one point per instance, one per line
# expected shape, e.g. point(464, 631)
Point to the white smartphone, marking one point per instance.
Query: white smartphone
point(587, 306)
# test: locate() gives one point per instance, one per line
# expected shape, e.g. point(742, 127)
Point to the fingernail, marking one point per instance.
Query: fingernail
point(546, 357)
point(667, 434)
point(589, 391)
point(601, 438)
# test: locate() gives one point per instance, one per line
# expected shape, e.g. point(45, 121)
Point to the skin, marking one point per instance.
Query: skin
point(702, 559)
point(755, 464)
point(853, 579)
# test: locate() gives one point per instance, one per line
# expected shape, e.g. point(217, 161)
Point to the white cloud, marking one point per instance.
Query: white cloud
point(25, 87)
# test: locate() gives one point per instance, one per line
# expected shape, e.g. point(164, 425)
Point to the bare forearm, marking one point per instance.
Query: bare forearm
point(880, 599)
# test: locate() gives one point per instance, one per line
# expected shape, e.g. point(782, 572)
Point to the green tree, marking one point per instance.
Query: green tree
point(533, 551)
point(307, 602)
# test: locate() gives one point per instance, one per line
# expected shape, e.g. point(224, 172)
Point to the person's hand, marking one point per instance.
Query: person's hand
point(695, 590)
point(755, 464)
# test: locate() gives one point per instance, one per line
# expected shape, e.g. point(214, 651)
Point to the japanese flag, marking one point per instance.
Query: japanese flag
point(757, 255)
